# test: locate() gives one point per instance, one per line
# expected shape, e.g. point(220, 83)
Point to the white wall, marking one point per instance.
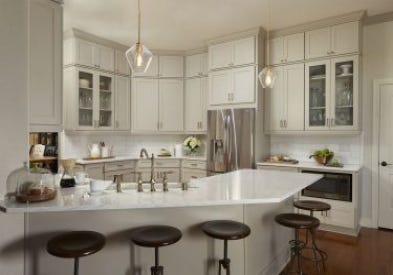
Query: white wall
point(13, 123)
point(377, 63)
point(75, 145)
point(347, 149)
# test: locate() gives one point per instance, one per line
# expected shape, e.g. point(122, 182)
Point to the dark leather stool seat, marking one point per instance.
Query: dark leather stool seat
point(312, 205)
point(156, 236)
point(226, 230)
point(76, 244)
point(297, 221)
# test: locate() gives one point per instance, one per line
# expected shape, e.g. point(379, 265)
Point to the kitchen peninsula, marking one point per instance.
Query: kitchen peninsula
point(250, 196)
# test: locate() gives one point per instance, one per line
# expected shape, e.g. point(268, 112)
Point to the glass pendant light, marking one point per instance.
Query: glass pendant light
point(267, 76)
point(138, 56)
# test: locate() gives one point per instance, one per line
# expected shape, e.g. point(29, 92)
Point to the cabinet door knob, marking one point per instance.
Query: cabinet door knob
point(327, 122)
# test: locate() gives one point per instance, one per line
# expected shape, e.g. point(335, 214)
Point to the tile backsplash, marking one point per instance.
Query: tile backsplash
point(347, 149)
point(75, 145)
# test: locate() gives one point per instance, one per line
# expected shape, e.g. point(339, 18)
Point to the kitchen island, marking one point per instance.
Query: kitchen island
point(250, 196)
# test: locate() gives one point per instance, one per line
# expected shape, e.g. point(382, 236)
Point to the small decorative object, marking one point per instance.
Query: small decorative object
point(323, 157)
point(192, 143)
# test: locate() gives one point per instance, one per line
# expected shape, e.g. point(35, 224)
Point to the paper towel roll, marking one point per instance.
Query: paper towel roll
point(178, 150)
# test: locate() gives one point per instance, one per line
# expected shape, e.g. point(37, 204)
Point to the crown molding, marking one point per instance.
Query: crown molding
point(379, 18)
point(237, 35)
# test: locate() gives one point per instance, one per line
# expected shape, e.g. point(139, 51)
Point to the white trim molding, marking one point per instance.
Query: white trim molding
point(378, 83)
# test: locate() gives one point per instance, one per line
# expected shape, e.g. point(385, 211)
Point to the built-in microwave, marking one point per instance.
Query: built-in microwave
point(332, 186)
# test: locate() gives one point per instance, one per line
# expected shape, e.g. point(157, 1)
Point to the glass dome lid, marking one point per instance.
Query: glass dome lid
point(31, 185)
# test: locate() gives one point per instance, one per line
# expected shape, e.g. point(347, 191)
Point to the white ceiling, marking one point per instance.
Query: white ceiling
point(186, 24)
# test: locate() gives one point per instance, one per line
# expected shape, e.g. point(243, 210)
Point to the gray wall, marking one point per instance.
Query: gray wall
point(13, 122)
point(377, 63)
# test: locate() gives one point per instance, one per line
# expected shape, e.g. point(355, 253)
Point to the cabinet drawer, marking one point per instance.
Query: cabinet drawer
point(194, 164)
point(159, 163)
point(174, 175)
point(114, 166)
point(189, 174)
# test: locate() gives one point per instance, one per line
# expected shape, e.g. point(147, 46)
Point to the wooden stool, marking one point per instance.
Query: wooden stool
point(156, 236)
point(226, 230)
point(297, 222)
point(76, 244)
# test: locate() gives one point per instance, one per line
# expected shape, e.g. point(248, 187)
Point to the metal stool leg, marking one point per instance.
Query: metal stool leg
point(321, 253)
point(226, 262)
point(157, 269)
point(76, 266)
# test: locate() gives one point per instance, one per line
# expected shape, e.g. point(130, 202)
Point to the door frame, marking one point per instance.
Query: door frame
point(378, 83)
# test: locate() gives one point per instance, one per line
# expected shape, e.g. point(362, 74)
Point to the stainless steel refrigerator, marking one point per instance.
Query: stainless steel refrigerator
point(230, 140)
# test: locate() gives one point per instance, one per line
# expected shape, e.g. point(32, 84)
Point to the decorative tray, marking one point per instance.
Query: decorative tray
point(290, 161)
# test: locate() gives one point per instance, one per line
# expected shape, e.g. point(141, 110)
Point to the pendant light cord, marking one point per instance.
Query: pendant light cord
point(139, 21)
point(268, 36)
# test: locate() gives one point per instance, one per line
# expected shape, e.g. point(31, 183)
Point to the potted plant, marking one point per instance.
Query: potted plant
point(323, 157)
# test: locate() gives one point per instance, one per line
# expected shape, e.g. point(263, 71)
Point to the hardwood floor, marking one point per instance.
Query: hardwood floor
point(369, 254)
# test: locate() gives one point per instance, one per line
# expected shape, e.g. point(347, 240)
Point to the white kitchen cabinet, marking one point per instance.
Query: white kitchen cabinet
point(122, 103)
point(232, 86)
point(285, 102)
point(89, 99)
point(332, 94)
point(121, 63)
point(234, 53)
point(196, 65)
point(45, 65)
point(89, 54)
point(171, 66)
point(157, 105)
point(152, 71)
point(189, 174)
point(195, 109)
point(170, 105)
point(144, 105)
point(331, 41)
point(287, 49)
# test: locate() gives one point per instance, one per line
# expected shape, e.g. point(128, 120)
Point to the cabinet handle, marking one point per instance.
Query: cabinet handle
point(280, 123)
point(332, 52)
point(285, 124)
point(201, 123)
point(327, 122)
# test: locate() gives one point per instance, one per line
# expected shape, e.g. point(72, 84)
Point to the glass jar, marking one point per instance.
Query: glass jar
point(31, 185)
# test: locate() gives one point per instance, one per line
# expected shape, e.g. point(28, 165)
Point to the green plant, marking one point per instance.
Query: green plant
point(323, 153)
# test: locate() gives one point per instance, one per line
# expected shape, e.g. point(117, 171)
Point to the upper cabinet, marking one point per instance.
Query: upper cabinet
point(157, 105)
point(284, 103)
point(121, 63)
point(332, 94)
point(81, 52)
point(171, 66)
point(234, 53)
point(195, 114)
point(287, 49)
point(45, 65)
point(232, 86)
point(331, 41)
point(196, 65)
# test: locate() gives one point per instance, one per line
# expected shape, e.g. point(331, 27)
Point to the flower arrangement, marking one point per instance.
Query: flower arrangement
point(192, 143)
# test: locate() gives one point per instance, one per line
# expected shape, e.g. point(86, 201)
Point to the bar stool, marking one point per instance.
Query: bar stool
point(76, 244)
point(226, 230)
point(156, 236)
point(314, 206)
point(298, 222)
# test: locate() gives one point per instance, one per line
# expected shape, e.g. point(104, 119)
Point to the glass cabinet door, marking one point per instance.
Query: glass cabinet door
point(344, 91)
point(105, 101)
point(317, 95)
point(86, 95)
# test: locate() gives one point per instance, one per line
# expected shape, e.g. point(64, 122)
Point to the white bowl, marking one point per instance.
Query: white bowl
point(99, 185)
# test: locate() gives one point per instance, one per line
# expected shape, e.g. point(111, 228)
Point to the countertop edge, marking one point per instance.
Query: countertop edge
point(349, 168)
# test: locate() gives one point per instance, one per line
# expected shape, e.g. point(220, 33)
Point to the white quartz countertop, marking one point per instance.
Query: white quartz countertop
point(125, 158)
point(238, 187)
point(348, 168)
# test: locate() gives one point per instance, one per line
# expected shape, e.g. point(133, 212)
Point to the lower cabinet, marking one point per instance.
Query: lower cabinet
point(189, 174)
point(94, 171)
point(173, 174)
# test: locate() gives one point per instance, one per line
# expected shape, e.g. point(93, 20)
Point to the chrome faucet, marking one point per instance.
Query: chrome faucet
point(143, 152)
point(152, 174)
